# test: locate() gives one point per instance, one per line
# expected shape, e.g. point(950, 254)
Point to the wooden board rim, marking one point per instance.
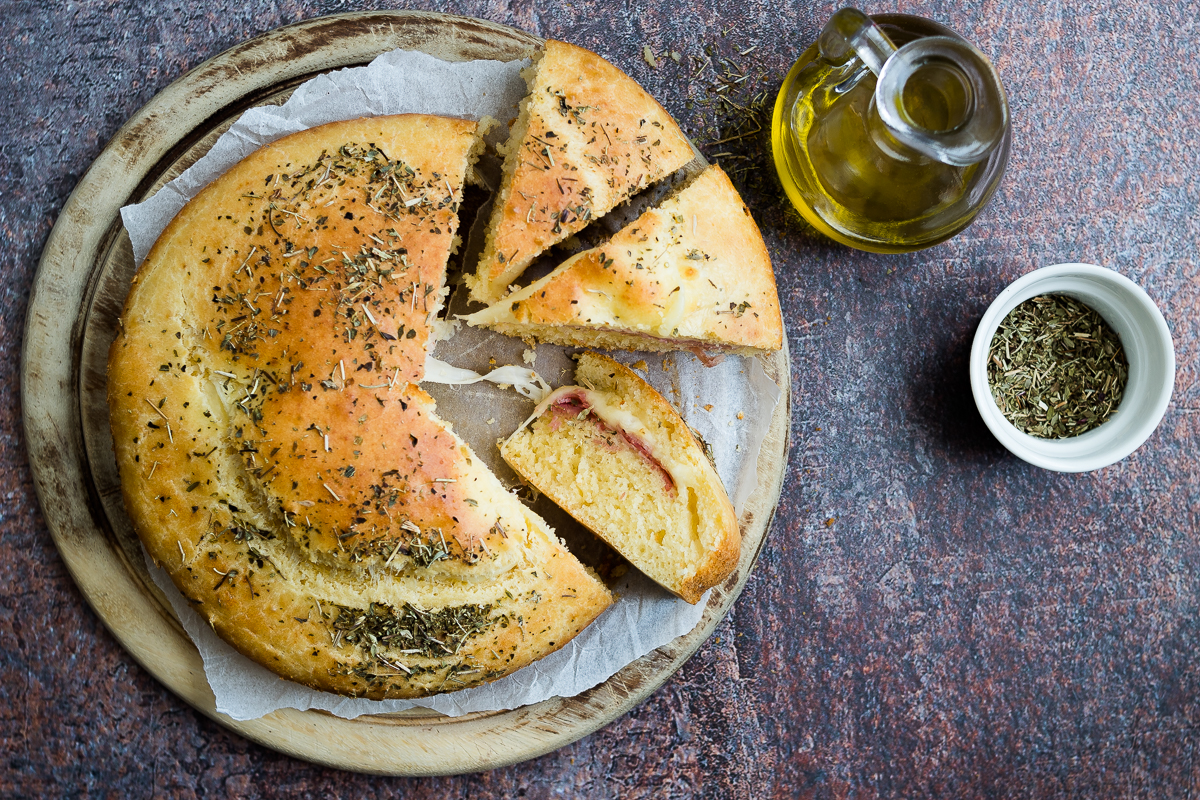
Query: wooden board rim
point(86, 229)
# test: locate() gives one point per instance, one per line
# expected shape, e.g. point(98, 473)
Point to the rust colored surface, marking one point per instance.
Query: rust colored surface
point(930, 616)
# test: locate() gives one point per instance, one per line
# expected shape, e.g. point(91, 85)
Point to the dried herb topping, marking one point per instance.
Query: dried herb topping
point(410, 630)
point(1055, 367)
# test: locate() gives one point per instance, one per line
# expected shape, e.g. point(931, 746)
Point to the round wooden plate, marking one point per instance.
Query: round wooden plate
point(77, 295)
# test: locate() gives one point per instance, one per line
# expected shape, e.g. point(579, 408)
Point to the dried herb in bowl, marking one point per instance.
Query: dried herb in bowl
point(1055, 367)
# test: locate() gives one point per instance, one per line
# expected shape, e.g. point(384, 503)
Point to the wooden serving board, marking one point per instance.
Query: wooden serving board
point(79, 291)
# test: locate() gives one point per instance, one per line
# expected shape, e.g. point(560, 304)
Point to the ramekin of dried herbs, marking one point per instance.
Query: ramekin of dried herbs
point(1072, 367)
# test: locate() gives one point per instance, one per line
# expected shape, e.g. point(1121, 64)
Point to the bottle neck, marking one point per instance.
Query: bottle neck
point(940, 97)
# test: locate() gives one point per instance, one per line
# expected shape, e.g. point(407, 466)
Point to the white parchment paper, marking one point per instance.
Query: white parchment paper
point(730, 404)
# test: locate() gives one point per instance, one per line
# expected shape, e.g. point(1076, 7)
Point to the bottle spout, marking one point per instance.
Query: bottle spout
point(937, 95)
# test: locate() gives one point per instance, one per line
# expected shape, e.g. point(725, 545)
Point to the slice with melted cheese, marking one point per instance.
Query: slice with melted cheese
point(587, 137)
point(276, 456)
point(692, 273)
point(615, 455)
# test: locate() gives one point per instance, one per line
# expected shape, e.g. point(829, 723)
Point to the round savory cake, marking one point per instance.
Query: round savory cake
point(280, 461)
point(276, 455)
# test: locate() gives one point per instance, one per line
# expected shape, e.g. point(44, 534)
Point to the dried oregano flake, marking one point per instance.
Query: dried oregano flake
point(1055, 367)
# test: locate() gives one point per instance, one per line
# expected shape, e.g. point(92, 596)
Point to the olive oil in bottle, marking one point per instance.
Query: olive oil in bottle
point(895, 161)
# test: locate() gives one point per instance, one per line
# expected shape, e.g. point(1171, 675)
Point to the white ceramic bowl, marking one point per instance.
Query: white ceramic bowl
point(1148, 347)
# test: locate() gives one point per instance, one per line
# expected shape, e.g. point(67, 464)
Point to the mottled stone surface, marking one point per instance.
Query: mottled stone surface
point(930, 617)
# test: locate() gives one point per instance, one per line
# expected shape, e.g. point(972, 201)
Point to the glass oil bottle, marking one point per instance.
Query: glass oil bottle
point(890, 133)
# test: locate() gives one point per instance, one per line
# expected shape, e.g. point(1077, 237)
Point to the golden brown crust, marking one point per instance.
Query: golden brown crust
point(589, 137)
point(695, 543)
point(693, 271)
point(719, 565)
point(278, 460)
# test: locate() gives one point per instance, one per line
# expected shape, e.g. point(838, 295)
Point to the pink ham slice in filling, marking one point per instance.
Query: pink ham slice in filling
point(573, 405)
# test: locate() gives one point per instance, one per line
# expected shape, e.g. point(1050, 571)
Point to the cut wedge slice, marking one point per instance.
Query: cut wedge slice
point(588, 136)
point(615, 455)
point(691, 274)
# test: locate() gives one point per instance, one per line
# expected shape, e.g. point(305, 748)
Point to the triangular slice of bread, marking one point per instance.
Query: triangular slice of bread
point(691, 274)
point(616, 456)
point(588, 136)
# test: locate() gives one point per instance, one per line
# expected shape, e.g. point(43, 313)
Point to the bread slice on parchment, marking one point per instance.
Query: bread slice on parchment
point(616, 456)
point(276, 457)
point(587, 137)
point(692, 273)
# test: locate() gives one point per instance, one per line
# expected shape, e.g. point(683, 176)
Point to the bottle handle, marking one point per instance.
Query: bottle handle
point(985, 122)
point(850, 32)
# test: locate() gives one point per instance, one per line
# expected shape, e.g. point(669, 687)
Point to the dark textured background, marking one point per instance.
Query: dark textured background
point(930, 616)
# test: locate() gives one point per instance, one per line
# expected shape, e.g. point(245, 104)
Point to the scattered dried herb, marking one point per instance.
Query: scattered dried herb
point(426, 549)
point(1055, 367)
point(730, 98)
point(409, 629)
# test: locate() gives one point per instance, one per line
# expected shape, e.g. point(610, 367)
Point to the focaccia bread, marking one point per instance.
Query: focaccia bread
point(587, 137)
point(692, 273)
point(615, 455)
point(278, 460)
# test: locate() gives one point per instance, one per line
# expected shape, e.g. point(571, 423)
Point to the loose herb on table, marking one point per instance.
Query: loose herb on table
point(1055, 367)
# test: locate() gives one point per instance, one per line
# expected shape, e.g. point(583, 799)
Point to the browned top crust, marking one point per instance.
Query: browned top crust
point(588, 137)
point(694, 270)
point(275, 455)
